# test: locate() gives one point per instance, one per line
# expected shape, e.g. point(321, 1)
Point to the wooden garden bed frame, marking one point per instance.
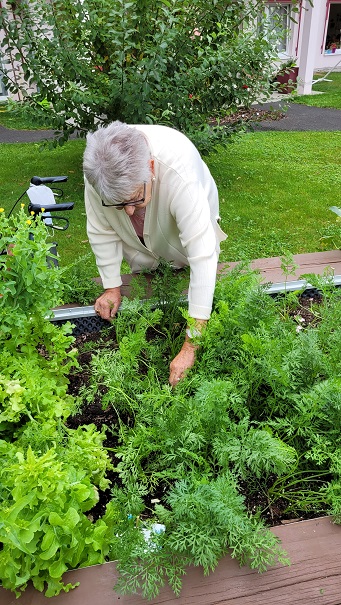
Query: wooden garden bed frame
point(316, 262)
point(271, 272)
point(313, 578)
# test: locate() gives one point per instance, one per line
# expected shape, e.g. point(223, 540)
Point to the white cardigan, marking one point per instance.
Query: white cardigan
point(180, 224)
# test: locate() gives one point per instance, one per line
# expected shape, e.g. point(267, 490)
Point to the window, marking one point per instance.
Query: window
point(3, 91)
point(274, 23)
point(333, 35)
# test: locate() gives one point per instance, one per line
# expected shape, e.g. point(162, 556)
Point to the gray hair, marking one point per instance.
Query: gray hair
point(116, 161)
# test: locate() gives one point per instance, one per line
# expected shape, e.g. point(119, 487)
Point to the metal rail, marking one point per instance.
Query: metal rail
point(70, 313)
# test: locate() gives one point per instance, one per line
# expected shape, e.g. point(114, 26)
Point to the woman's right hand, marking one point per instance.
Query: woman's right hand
point(106, 305)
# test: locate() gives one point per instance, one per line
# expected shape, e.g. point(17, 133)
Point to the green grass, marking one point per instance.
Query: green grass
point(19, 162)
point(19, 121)
point(275, 190)
point(331, 96)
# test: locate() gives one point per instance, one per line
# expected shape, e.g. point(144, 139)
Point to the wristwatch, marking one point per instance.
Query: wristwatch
point(193, 333)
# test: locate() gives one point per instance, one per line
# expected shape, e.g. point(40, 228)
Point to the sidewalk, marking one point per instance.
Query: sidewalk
point(297, 117)
point(9, 135)
point(300, 117)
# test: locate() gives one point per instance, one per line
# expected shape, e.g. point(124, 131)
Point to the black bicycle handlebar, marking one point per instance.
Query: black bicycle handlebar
point(40, 180)
point(36, 208)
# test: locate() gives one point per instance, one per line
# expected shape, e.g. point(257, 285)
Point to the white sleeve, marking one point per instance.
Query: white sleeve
point(105, 243)
point(190, 208)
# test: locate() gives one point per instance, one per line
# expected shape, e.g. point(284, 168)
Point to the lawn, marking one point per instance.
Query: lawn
point(331, 89)
point(12, 115)
point(22, 161)
point(275, 191)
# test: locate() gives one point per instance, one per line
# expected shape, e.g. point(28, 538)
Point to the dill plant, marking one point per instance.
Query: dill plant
point(259, 412)
point(182, 452)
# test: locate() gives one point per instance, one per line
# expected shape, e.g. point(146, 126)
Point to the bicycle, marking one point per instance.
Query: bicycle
point(43, 203)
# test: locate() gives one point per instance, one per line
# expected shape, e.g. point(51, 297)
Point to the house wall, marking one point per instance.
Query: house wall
point(3, 91)
point(310, 23)
point(309, 40)
point(318, 32)
point(12, 67)
point(311, 32)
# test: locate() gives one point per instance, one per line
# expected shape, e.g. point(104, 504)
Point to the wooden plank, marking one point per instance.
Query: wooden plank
point(313, 578)
point(270, 268)
point(276, 276)
point(271, 272)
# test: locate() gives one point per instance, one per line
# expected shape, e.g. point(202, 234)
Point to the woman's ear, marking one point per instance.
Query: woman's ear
point(151, 163)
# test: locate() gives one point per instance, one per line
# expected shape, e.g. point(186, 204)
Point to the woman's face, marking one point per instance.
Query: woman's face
point(144, 192)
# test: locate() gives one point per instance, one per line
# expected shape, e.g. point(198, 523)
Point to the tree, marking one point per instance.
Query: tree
point(177, 62)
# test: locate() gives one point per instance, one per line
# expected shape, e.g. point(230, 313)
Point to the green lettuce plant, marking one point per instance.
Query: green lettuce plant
point(43, 528)
point(50, 475)
point(35, 356)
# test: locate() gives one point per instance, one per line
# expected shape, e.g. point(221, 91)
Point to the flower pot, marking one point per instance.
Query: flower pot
point(287, 80)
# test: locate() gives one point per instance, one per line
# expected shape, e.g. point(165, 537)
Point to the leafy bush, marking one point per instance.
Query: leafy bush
point(146, 61)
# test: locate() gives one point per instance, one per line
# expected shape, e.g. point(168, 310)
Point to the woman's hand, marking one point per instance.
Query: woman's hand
point(182, 362)
point(106, 305)
point(186, 358)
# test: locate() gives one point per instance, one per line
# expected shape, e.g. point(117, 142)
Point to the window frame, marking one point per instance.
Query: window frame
point(325, 31)
point(282, 53)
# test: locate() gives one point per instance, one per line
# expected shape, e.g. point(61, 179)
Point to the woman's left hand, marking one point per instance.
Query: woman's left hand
point(182, 362)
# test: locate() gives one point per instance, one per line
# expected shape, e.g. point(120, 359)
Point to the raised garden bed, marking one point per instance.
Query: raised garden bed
point(249, 439)
point(87, 329)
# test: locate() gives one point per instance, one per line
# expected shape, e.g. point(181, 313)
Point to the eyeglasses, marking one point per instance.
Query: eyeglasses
point(131, 203)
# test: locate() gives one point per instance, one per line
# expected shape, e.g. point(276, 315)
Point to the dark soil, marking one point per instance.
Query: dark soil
point(93, 413)
point(273, 512)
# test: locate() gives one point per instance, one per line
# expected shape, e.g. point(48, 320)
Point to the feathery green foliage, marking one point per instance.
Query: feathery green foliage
point(257, 420)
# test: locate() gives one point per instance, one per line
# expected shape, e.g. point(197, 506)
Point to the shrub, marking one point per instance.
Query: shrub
point(144, 61)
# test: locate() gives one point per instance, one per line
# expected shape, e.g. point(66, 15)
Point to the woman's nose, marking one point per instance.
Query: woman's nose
point(129, 210)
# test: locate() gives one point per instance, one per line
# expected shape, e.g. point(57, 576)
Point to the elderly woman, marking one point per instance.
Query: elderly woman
point(150, 196)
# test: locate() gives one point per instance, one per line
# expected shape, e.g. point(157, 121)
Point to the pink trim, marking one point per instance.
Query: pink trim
point(325, 26)
point(328, 3)
point(299, 28)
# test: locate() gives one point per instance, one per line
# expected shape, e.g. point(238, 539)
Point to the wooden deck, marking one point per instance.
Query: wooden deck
point(316, 262)
point(313, 578)
point(271, 272)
